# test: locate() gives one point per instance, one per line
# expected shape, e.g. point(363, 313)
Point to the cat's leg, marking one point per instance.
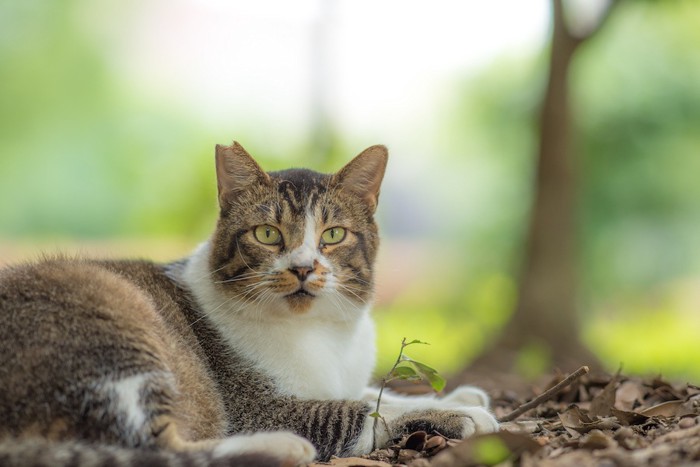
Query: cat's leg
point(145, 406)
point(343, 427)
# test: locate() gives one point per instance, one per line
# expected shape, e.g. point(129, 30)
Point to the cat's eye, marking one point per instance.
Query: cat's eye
point(333, 235)
point(268, 235)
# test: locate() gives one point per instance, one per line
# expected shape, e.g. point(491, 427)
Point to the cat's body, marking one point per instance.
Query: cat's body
point(265, 328)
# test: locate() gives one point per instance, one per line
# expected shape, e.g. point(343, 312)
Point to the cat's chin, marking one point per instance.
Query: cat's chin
point(300, 302)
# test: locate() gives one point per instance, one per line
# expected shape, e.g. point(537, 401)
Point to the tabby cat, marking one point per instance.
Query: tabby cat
point(256, 350)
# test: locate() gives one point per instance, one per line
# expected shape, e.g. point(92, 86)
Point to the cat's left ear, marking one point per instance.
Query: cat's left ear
point(363, 175)
point(236, 171)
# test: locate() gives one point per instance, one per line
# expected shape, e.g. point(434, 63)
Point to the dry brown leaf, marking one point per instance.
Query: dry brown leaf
point(435, 444)
point(665, 409)
point(576, 421)
point(603, 402)
point(629, 394)
point(415, 441)
point(596, 439)
point(629, 418)
point(522, 426)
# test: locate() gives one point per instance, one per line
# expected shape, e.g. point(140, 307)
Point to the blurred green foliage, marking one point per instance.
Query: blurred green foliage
point(79, 154)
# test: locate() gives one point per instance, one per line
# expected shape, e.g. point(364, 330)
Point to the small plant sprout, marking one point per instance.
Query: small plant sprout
point(407, 369)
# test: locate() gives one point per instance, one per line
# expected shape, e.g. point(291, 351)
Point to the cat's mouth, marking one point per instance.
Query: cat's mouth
point(301, 293)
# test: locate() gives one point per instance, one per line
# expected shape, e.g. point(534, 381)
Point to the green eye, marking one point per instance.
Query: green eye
point(268, 235)
point(333, 235)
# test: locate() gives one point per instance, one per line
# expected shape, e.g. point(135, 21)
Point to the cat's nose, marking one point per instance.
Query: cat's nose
point(302, 272)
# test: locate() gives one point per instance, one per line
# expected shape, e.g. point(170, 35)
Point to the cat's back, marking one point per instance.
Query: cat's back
point(62, 303)
point(75, 327)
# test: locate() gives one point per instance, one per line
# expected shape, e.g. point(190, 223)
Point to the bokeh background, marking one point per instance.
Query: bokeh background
point(110, 110)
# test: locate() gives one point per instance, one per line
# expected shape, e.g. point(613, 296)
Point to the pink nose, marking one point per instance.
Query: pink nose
point(302, 272)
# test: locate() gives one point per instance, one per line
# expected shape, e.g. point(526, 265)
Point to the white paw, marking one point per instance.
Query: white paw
point(280, 444)
point(479, 421)
point(469, 396)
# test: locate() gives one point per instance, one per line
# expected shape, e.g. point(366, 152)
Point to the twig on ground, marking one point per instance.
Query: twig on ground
point(545, 396)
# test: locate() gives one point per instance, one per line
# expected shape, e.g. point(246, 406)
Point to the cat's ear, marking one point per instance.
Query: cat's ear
point(363, 175)
point(236, 171)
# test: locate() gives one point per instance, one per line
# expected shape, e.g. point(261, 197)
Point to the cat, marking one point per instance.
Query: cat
point(257, 349)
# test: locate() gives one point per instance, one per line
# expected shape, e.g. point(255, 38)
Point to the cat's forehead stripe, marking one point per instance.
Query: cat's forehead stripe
point(300, 189)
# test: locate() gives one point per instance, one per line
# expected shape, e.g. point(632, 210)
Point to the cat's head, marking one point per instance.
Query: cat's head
point(296, 242)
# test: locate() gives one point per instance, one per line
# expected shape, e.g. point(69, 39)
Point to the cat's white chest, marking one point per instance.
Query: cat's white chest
point(308, 359)
point(327, 353)
point(320, 360)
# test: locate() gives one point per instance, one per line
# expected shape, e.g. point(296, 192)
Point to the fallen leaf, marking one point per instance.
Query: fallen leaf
point(596, 439)
point(435, 444)
point(629, 418)
point(664, 409)
point(628, 395)
point(522, 426)
point(415, 441)
point(576, 421)
point(603, 402)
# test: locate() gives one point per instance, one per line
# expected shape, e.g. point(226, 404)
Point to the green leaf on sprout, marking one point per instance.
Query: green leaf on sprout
point(375, 415)
point(430, 374)
point(404, 372)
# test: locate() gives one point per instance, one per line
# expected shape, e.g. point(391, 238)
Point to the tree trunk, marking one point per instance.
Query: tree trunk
point(546, 315)
point(546, 309)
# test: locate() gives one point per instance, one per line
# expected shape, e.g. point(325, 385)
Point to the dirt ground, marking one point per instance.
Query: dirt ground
point(596, 420)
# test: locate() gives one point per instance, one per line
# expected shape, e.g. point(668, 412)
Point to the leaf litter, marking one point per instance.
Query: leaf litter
point(597, 420)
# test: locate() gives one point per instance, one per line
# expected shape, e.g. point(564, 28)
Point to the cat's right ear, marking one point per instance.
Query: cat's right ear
point(236, 171)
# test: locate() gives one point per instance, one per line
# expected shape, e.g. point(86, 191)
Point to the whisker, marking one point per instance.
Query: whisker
point(211, 273)
point(246, 276)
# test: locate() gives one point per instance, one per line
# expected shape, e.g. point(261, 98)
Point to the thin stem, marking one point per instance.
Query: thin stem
point(385, 380)
point(545, 396)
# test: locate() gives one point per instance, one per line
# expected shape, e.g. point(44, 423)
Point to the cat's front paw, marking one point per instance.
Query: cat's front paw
point(457, 423)
point(432, 416)
point(468, 396)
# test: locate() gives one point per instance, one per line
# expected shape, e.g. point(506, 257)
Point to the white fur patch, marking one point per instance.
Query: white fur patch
point(126, 396)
